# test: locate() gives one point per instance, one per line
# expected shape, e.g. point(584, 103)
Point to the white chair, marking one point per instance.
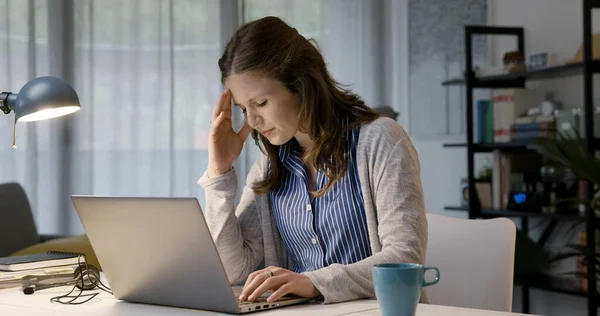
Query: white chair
point(476, 262)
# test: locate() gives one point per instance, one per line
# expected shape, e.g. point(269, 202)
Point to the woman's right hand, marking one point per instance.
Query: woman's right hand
point(224, 144)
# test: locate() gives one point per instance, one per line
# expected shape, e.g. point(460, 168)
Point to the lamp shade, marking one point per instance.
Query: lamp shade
point(43, 98)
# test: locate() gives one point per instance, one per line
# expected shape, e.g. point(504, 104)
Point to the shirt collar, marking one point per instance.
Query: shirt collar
point(291, 149)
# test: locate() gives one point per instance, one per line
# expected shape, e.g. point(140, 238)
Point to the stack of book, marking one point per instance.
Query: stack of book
point(533, 127)
point(12, 269)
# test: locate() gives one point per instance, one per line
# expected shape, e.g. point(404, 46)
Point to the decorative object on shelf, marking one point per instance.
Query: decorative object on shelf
point(549, 105)
point(578, 58)
point(483, 186)
point(464, 192)
point(524, 201)
point(514, 61)
point(485, 173)
point(484, 193)
point(532, 112)
point(541, 60)
point(570, 121)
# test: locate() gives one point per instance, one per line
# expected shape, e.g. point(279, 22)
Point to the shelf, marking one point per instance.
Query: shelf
point(510, 213)
point(517, 145)
point(493, 146)
point(550, 283)
point(484, 147)
point(504, 80)
point(456, 208)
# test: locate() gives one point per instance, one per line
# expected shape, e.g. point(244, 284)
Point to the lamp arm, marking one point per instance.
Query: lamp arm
point(4, 102)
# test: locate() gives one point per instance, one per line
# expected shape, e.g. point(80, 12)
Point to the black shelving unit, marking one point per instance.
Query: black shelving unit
point(517, 80)
point(512, 213)
point(550, 283)
point(514, 146)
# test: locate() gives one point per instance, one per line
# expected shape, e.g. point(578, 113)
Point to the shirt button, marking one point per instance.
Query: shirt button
point(308, 207)
point(314, 241)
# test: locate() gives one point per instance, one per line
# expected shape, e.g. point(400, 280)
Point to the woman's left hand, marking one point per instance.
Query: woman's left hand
point(280, 281)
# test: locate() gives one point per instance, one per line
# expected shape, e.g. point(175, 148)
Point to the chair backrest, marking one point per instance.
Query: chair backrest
point(17, 228)
point(476, 262)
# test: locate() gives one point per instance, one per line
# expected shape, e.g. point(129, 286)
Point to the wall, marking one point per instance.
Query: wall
point(441, 169)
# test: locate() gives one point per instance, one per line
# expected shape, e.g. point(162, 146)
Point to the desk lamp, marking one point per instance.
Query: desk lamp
point(41, 98)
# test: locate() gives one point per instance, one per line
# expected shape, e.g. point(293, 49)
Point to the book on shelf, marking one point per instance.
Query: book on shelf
point(509, 104)
point(527, 119)
point(530, 131)
point(485, 122)
point(580, 263)
point(38, 261)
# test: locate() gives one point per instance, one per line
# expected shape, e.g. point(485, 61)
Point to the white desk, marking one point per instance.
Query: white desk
point(14, 302)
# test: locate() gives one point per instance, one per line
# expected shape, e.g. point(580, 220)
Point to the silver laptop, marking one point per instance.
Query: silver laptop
point(160, 251)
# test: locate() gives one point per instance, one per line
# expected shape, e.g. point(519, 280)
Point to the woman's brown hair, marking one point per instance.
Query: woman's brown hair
point(271, 46)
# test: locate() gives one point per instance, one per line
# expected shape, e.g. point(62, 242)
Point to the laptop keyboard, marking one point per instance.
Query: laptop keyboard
point(258, 300)
point(263, 298)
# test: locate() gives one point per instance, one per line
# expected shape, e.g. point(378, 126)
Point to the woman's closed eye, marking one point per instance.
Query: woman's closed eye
point(257, 105)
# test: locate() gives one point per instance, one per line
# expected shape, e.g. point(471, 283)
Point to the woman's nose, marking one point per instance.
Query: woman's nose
point(253, 118)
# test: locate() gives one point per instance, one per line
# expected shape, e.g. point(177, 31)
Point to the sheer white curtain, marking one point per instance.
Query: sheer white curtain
point(24, 56)
point(147, 76)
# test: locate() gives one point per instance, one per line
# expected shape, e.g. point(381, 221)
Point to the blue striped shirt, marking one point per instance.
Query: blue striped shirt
point(320, 231)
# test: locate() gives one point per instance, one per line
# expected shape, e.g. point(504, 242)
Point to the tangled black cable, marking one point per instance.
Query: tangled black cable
point(80, 284)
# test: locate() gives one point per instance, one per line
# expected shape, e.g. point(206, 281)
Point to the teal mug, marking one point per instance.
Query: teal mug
point(398, 287)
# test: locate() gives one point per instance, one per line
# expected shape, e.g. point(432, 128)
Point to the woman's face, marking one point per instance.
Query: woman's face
point(268, 106)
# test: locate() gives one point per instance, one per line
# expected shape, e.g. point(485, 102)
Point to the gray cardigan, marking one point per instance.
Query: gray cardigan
point(388, 167)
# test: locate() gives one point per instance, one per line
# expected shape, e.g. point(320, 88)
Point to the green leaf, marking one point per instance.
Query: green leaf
point(571, 151)
point(578, 274)
point(582, 250)
point(564, 256)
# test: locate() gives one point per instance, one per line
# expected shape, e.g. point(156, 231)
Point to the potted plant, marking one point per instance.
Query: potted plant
point(483, 186)
point(570, 150)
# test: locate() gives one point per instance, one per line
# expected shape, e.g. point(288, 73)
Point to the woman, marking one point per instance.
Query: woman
point(335, 190)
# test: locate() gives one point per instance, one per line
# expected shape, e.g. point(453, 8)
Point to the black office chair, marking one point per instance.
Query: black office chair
point(387, 111)
point(17, 227)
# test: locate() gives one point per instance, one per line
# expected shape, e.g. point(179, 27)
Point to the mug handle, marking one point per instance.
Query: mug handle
point(437, 277)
